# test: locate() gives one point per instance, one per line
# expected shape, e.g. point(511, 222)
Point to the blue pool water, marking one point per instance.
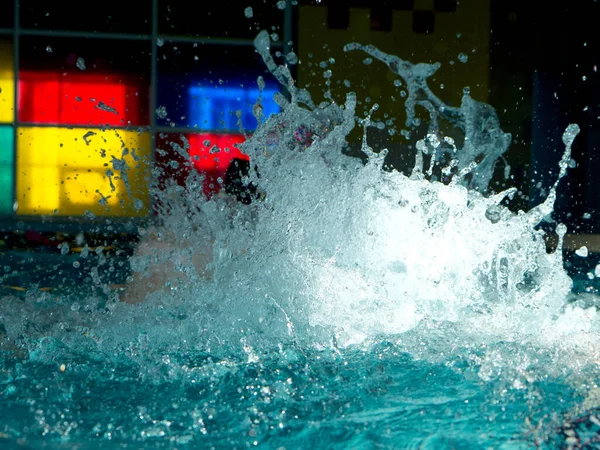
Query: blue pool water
point(351, 307)
point(376, 397)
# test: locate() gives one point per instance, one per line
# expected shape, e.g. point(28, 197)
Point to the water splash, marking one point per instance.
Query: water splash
point(484, 140)
point(340, 252)
point(378, 252)
point(337, 272)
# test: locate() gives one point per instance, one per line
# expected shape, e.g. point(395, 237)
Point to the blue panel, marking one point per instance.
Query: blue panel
point(215, 107)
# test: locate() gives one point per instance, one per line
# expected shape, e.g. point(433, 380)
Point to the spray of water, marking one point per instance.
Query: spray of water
point(341, 253)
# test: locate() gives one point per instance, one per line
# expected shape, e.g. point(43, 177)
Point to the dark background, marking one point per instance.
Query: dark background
point(539, 49)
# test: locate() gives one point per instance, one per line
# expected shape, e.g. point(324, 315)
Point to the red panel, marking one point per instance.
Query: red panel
point(203, 160)
point(80, 99)
point(212, 165)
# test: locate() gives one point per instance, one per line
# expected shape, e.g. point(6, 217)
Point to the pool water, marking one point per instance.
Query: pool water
point(376, 398)
point(67, 391)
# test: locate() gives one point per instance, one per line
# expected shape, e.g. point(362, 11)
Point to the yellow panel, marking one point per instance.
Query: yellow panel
point(465, 31)
point(65, 172)
point(7, 83)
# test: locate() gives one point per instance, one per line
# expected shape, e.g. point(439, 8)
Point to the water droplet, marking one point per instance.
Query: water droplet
point(422, 146)
point(463, 58)
point(161, 112)
point(87, 137)
point(327, 74)
point(433, 140)
point(103, 106)
point(80, 64)
point(493, 213)
point(291, 58)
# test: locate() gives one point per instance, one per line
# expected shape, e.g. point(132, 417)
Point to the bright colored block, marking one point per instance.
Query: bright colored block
point(6, 170)
point(7, 83)
point(204, 160)
point(80, 99)
point(215, 108)
point(213, 166)
point(70, 171)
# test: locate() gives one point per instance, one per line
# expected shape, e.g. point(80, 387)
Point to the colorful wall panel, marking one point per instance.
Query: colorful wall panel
point(227, 145)
point(213, 164)
point(71, 129)
point(6, 169)
point(215, 108)
point(7, 83)
point(79, 99)
point(68, 172)
point(209, 153)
